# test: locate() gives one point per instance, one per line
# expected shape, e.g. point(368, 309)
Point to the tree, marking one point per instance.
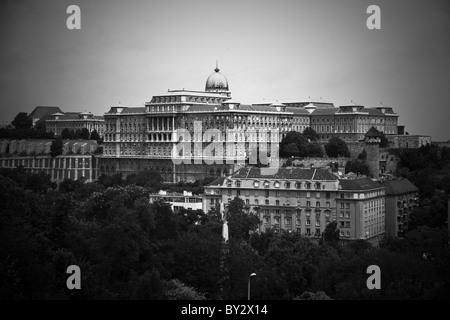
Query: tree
point(149, 179)
point(240, 222)
point(358, 167)
point(65, 134)
point(56, 147)
point(314, 149)
point(77, 134)
point(84, 134)
point(331, 234)
point(337, 147)
point(320, 295)
point(95, 135)
point(384, 141)
point(310, 134)
point(290, 150)
point(22, 121)
point(176, 290)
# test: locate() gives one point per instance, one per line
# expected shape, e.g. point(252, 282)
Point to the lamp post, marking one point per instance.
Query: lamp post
point(249, 277)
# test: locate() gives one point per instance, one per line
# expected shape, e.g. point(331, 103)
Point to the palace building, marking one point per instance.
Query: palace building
point(58, 121)
point(136, 138)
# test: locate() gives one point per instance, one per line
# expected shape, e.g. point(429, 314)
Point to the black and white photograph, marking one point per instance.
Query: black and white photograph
point(228, 154)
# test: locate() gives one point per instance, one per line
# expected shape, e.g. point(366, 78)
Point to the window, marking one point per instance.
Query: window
point(317, 194)
point(267, 202)
point(229, 183)
point(256, 184)
point(238, 192)
point(277, 202)
point(342, 205)
point(308, 185)
point(277, 193)
point(317, 185)
point(317, 203)
point(229, 192)
point(308, 195)
point(247, 202)
point(347, 205)
point(238, 184)
point(327, 195)
point(341, 214)
point(298, 185)
point(347, 214)
point(308, 203)
point(267, 193)
point(256, 201)
point(266, 184)
point(287, 185)
point(277, 184)
point(212, 200)
point(308, 222)
point(328, 204)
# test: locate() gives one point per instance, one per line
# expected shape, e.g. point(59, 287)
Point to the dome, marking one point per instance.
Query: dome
point(216, 81)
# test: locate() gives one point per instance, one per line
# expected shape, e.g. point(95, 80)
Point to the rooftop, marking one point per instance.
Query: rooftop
point(41, 111)
point(286, 173)
point(399, 186)
point(359, 184)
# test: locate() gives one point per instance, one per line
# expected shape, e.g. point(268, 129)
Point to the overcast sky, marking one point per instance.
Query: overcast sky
point(128, 51)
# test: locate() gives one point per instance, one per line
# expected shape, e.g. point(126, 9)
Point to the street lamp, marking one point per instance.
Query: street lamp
point(249, 277)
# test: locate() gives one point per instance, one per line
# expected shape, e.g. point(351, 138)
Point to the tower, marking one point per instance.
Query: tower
point(372, 141)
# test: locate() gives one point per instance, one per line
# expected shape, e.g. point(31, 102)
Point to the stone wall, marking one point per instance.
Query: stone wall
point(408, 141)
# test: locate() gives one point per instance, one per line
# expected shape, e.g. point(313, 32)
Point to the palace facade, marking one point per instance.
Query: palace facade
point(137, 138)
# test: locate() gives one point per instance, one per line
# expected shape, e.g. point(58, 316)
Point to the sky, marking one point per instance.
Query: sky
point(128, 51)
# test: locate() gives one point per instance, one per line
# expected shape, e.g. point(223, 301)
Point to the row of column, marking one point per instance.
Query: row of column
point(161, 123)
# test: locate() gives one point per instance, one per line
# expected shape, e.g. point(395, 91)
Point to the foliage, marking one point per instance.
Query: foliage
point(240, 222)
point(149, 179)
point(177, 290)
point(94, 135)
point(84, 134)
point(358, 167)
point(331, 234)
point(337, 147)
point(320, 295)
point(296, 144)
point(128, 248)
point(22, 121)
point(310, 134)
point(56, 148)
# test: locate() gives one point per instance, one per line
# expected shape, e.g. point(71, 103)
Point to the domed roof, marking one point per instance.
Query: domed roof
point(216, 81)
